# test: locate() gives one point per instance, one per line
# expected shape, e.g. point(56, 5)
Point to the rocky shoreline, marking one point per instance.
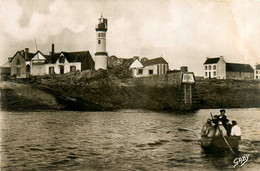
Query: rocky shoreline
point(104, 90)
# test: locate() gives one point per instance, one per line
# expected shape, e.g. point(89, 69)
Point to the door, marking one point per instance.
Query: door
point(61, 69)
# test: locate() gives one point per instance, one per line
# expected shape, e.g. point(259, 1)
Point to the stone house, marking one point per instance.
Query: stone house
point(218, 68)
point(20, 63)
point(145, 67)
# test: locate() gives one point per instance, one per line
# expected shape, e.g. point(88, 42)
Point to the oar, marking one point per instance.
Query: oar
point(226, 141)
point(222, 136)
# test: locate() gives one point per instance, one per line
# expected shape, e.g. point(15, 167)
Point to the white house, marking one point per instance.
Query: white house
point(25, 64)
point(64, 62)
point(37, 66)
point(215, 68)
point(218, 68)
point(257, 71)
point(145, 67)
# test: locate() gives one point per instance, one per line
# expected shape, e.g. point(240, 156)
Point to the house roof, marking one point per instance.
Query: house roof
point(31, 55)
point(52, 59)
point(239, 67)
point(136, 64)
point(76, 56)
point(154, 61)
point(70, 56)
point(40, 53)
point(211, 61)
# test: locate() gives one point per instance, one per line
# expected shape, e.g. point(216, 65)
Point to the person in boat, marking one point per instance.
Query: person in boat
point(236, 130)
point(215, 120)
point(223, 118)
point(220, 129)
point(207, 128)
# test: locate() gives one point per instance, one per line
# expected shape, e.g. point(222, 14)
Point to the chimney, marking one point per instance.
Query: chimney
point(137, 57)
point(26, 53)
point(52, 48)
point(22, 52)
point(184, 69)
point(221, 58)
point(144, 59)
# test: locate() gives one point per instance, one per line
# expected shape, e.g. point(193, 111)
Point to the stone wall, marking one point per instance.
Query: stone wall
point(170, 79)
point(240, 75)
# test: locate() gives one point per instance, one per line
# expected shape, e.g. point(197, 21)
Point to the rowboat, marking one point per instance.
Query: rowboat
point(218, 142)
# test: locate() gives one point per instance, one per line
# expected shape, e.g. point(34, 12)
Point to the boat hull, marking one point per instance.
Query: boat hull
point(218, 142)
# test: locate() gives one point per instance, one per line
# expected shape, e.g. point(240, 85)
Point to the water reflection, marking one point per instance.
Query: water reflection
point(124, 140)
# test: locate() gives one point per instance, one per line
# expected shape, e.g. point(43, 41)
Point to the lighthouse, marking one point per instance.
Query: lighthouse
point(101, 54)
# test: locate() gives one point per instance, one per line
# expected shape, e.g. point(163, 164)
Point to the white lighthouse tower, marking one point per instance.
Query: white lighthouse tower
point(101, 54)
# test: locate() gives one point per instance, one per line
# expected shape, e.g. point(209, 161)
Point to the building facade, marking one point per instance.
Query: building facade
point(257, 72)
point(37, 66)
point(145, 67)
point(24, 64)
point(218, 68)
point(20, 63)
point(215, 68)
point(64, 62)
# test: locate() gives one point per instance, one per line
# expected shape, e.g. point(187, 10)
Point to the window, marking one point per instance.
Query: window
point(214, 67)
point(99, 41)
point(61, 69)
point(61, 59)
point(140, 71)
point(206, 67)
point(256, 72)
point(72, 68)
point(18, 72)
point(51, 70)
point(210, 67)
point(27, 68)
point(164, 69)
point(98, 34)
point(206, 74)
point(150, 72)
point(18, 62)
point(158, 69)
point(256, 77)
point(214, 73)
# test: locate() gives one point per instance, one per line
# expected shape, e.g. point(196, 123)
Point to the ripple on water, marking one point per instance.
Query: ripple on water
point(116, 141)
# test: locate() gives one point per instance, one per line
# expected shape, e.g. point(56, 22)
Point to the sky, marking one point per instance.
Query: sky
point(184, 32)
